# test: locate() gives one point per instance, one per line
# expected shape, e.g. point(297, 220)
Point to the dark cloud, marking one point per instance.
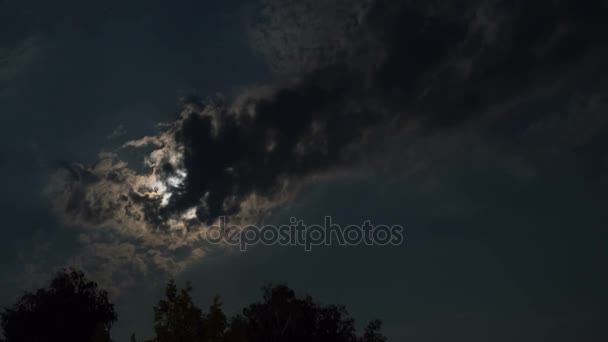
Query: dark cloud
point(404, 64)
point(297, 131)
point(415, 43)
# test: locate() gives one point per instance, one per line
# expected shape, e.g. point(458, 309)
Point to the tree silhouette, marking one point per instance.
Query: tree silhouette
point(176, 318)
point(279, 317)
point(215, 322)
point(237, 330)
point(71, 309)
point(372, 332)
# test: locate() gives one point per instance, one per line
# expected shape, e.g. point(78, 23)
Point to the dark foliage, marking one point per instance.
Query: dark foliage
point(280, 316)
point(70, 309)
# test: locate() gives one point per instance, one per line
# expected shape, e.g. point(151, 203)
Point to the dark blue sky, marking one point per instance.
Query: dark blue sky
point(504, 205)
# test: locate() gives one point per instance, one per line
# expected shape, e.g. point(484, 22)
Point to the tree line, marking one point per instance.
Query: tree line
point(74, 309)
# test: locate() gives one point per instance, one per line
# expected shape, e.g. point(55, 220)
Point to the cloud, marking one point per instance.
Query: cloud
point(117, 132)
point(296, 37)
point(346, 77)
point(13, 62)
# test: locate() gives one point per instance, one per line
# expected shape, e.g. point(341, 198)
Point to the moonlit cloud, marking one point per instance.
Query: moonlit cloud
point(345, 78)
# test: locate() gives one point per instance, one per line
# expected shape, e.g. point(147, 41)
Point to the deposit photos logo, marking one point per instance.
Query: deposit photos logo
point(299, 234)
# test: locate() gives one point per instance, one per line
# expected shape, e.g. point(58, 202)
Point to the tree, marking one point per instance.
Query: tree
point(215, 322)
point(279, 317)
point(176, 318)
point(71, 309)
point(237, 330)
point(372, 332)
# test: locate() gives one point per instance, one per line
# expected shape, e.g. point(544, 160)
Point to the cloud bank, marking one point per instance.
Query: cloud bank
point(347, 73)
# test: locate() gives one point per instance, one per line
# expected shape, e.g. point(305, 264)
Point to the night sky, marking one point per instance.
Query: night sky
point(128, 127)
